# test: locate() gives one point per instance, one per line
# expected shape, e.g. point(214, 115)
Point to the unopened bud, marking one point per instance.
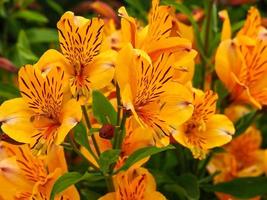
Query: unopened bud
point(107, 131)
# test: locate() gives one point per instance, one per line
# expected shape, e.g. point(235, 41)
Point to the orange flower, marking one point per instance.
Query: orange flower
point(241, 63)
point(158, 36)
point(136, 184)
point(44, 115)
point(24, 176)
point(148, 90)
point(80, 41)
point(205, 129)
point(242, 158)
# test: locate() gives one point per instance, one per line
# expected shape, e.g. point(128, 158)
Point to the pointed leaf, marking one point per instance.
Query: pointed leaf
point(143, 153)
point(103, 109)
point(243, 188)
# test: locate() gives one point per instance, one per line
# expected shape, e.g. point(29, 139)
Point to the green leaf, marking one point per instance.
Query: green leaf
point(81, 137)
point(8, 91)
point(179, 192)
point(42, 35)
point(67, 180)
point(108, 158)
point(198, 75)
point(103, 109)
point(190, 184)
point(31, 16)
point(22, 53)
point(222, 92)
point(244, 122)
point(55, 6)
point(89, 194)
point(243, 188)
point(143, 153)
point(186, 187)
point(138, 7)
point(238, 25)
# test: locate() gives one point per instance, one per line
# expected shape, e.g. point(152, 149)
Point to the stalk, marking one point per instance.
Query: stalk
point(88, 124)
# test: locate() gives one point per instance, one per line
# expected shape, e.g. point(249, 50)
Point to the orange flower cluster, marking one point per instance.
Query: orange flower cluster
point(149, 70)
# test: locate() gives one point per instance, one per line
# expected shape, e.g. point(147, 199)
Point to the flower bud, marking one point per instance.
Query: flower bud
point(107, 131)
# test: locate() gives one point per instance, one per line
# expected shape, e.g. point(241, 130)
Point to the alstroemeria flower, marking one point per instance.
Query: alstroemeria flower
point(42, 117)
point(205, 129)
point(150, 93)
point(80, 41)
point(137, 184)
point(24, 176)
point(243, 157)
point(241, 63)
point(158, 36)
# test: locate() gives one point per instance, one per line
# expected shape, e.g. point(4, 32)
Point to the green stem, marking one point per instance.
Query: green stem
point(117, 130)
point(109, 183)
point(88, 124)
point(76, 150)
point(207, 31)
point(118, 95)
point(206, 42)
point(202, 165)
point(121, 131)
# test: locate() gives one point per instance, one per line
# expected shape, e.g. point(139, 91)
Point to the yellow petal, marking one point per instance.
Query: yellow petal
point(178, 106)
point(137, 138)
point(244, 95)
point(252, 24)
point(185, 31)
point(219, 131)
point(128, 27)
point(156, 196)
point(52, 58)
point(170, 44)
point(16, 120)
point(122, 69)
point(42, 189)
point(71, 114)
point(102, 69)
point(56, 159)
point(226, 29)
point(229, 60)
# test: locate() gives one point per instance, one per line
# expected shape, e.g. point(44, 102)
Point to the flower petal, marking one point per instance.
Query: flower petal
point(71, 114)
point(16, 120)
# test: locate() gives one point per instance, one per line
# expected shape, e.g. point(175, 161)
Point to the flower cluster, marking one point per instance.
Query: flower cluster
point(144, 74)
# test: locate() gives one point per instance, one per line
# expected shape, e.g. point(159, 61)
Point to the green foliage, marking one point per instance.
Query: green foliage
point(8, 91)
point(22, 51)
point(244, 188)
point(66, 181)
point(103, 109)
point(31, 16)
point(244, 122)
point(108, 158)
point(81, 136)
point(42, 35)
point(186, 187)
point(69, 179)
point(141, 154)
